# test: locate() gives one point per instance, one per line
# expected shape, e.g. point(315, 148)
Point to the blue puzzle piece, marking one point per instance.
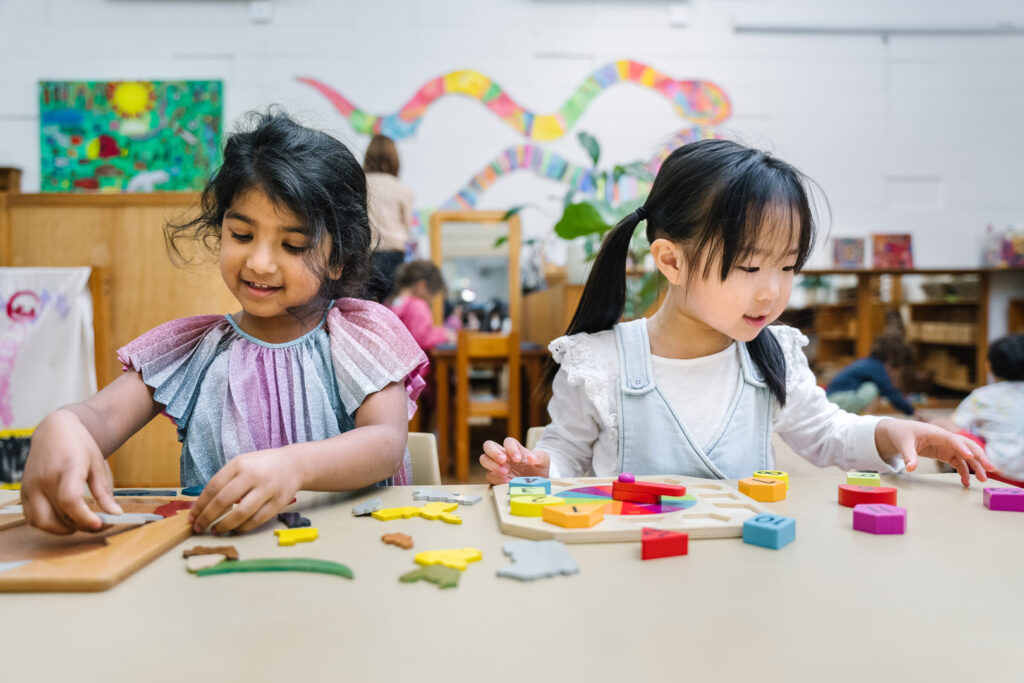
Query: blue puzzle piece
point(192, 490)
point(143, 492)
point(769, 531)
point(531, 481)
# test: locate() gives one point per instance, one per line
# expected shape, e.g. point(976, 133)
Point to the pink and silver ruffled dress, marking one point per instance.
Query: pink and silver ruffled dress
point(230, 393)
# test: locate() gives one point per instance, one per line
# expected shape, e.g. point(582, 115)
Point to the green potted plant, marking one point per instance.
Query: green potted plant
point(584, 223)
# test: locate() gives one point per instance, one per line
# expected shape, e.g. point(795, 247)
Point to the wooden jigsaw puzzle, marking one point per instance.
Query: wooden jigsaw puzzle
point(710, 509)
point(33, 560)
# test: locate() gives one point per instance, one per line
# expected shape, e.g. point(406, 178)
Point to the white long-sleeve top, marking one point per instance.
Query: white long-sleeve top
point(582, 439)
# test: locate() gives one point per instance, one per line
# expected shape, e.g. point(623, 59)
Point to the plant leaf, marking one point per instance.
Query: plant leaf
point(578, 220)
point(513, 211)
point(500, 241)
point(637, 170)
point(590, 144)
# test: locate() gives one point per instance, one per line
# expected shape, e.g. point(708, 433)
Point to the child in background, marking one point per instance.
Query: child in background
point(862, 381)
point(698, 388)
point(300, 389)
point(994, 413)
point(417, 282)
point(390, 210)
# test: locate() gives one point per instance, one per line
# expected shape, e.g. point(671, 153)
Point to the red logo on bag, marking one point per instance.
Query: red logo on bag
point(23, 306)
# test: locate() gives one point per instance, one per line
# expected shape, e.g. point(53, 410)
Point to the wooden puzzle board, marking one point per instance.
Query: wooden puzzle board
point(717, 511)
point(83, 561)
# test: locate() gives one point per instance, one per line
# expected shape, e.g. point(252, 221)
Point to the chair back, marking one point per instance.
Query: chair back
point(423, 454)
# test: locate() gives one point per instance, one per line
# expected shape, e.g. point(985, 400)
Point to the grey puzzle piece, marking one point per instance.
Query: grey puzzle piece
point(445, 496)
point(368, 508)
point(537, 559)
point(129, 518)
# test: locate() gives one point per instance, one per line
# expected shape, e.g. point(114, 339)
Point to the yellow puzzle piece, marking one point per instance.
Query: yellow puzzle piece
point(456, 558)
point(773, 474)
point(435, 510)
point(574, 516)
point(293, 536)
point(533, 506)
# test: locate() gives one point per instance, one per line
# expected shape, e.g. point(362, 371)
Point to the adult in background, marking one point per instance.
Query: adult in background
point(390, 209)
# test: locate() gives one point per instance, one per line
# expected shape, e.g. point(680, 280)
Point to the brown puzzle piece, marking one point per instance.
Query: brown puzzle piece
point(401, 540)
point(227, 551)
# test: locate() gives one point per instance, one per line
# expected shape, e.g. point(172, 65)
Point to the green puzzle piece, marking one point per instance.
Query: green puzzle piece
point(298, 564)
point(445, 577)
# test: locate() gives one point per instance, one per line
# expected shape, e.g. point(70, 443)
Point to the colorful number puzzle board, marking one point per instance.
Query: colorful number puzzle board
point(710, 509)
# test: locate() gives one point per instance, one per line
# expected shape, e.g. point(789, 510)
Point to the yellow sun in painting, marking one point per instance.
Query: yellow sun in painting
point(131, 98)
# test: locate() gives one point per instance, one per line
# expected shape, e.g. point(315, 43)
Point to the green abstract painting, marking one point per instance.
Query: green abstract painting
point(129, 136)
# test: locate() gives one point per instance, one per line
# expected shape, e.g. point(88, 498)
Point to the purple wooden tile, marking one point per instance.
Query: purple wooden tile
point(1011, 499)
point(879, 518)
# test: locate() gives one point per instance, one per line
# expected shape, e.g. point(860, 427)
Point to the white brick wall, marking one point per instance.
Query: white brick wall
point(917, 134)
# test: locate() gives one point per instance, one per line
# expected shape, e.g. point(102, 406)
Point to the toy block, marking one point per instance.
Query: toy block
point(634, 496)
point(228, 551)
point(192, 490)
point(657, 543)
point(456, 558)
point(769, 531)
point(367, 508)
point(389, 514)
point(515, 491)
point(293, 520)
point(537, 559)
point(773, 474)
point(531, 481)
point(144, 492)
point(863, 478)
point(763, 490)
point(293, 536)
point(279, 564)
point(626, 478)
point(1004, 499)
point(133, 518)
point(855, 495)
point(401, 540)
point(465, 500)
point(431, 494)
point(442, 511)
point(444, 577)
point(574, 516)
point(879, 518)
point(172, 507)
point(654, 488)
point(533, 506)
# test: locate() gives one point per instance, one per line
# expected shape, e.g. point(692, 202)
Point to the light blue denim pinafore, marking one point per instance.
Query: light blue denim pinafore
point(652, 438)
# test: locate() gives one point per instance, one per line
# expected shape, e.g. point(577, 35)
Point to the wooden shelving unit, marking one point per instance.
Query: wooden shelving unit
point(949, 330)
point(1015, 324)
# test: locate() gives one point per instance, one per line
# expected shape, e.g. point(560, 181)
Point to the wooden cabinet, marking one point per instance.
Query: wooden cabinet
point(1015, 324)
point(947, 324)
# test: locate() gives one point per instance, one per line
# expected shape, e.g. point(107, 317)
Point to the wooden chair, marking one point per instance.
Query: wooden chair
point(423, 453)
point(533, 435)
point(492, 349)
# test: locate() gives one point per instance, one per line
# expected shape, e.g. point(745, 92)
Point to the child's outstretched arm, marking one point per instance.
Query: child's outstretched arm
point(69, 448)
point(264, 482)
point(511, 459)
point(911, 440)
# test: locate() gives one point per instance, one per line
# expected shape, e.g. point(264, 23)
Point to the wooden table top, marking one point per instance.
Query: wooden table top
point(942, 602)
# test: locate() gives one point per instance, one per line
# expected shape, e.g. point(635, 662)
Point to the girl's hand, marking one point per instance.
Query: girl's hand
point(511, 459)
point(63, 458)
point(262, 483)
point(911, 440)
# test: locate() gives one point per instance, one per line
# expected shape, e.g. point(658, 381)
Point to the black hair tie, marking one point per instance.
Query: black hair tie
point(641, 215)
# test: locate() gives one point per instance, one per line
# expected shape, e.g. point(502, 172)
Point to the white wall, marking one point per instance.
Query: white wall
point(917, 133)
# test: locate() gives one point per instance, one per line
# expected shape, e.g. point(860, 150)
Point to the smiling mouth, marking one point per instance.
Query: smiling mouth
point(259, 287)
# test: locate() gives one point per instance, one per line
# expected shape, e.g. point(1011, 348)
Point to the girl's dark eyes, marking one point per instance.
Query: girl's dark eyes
point(788, 269)
point(240, 237)
point(290, 248)
point(294, 249)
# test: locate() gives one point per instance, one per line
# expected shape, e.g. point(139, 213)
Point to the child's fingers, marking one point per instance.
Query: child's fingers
point(218, 503)
point(961, 467)
point(250, 504)
point(977, 455)
point(102, 490)
point(495, 452)
point(71, 505)
point(514, 449)
point(260, 517)
point(496, 478)
point(41, 514)
point(908, 449)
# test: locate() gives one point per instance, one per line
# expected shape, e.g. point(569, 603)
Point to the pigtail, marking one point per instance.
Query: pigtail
point(767, 355)
point(604, 295)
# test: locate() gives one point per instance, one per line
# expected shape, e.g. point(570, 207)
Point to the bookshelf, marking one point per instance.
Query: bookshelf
point(948, 327)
